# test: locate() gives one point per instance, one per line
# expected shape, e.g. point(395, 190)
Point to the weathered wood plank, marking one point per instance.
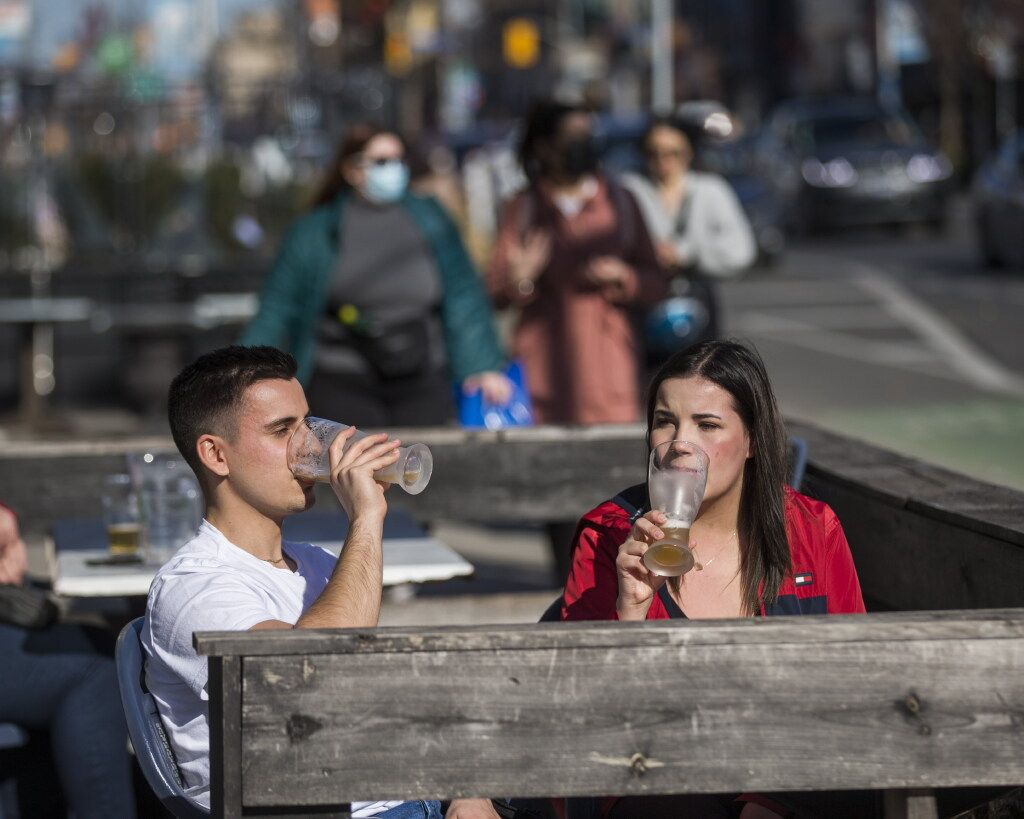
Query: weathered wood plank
point(910, 560)
point(540, 474)
point(224, 686)
point(630, 719)
point(906, 483)
point(886, 627)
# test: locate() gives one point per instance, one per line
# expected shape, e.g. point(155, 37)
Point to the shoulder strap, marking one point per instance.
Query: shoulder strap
point(671, 606)
point(633, 501)
point(683, 215)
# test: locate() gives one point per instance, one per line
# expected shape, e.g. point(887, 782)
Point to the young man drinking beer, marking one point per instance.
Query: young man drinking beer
point(232, 413)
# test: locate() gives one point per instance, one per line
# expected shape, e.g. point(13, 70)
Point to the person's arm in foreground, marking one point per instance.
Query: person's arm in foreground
point(13, 555)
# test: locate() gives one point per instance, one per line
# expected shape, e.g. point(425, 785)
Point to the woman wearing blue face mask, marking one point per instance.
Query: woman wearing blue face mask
point(376, 297)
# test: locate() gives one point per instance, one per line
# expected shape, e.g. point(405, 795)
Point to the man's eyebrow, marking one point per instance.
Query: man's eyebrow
point(281, 422)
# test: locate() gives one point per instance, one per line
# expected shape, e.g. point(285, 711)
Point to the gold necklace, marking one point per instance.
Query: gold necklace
point(702, 566)
point(273, 560)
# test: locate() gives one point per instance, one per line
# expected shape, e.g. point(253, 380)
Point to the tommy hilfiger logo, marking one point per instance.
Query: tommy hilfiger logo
point(805, 579)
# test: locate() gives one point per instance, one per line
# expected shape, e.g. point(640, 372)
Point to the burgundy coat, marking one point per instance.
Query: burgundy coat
point(576, 339)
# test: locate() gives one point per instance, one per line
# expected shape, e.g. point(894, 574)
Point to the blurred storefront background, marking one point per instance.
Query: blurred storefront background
point(152, 151)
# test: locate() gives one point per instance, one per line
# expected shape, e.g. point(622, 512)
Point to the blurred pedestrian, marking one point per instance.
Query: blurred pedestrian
point(56, 680)
point(700, 230)
point(376, 297)
point(573, 255)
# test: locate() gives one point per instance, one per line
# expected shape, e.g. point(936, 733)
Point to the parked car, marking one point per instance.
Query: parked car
point(998, 198)
point(841, 162)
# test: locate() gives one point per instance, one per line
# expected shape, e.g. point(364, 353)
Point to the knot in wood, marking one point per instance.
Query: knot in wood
point(300, 727)
point(638, 764)
point(912, 703)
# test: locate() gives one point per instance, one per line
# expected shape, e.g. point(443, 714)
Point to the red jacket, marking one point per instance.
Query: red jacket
point(824, 580)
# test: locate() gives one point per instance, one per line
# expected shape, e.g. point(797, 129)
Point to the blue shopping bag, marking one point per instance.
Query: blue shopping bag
point(475, 413)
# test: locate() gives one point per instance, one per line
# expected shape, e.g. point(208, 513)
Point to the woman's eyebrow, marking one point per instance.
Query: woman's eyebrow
point(699, 416)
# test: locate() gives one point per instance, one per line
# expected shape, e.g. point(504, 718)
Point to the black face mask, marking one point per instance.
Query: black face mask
point(579, 157)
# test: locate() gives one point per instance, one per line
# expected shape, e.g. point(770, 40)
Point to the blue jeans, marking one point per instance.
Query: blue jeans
point(413, 810)
point(55, 680)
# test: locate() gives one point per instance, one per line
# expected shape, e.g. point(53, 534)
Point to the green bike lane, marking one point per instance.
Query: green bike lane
point(853, 349)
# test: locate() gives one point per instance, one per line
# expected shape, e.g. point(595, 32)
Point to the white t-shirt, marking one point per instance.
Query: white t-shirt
point(212, 585)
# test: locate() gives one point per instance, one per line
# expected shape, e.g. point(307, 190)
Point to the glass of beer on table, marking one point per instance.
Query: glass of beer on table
point(122, 515)
point(676, 478)
point(308, 456)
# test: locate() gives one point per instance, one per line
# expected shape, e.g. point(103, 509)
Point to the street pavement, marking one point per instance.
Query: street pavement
point(902, 340)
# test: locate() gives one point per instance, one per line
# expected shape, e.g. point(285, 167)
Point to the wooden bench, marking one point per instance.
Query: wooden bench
point(302, 721)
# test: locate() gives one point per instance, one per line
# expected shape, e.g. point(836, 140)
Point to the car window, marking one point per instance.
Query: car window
point(867, 128)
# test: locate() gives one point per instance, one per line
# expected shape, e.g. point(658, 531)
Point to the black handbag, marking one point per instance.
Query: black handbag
point(397, 351)
point(26, 607)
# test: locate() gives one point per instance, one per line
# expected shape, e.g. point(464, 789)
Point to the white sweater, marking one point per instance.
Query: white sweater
point(716, 237)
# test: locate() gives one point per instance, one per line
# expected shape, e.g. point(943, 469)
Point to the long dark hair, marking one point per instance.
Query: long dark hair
point(354, 142)
point(738, 369)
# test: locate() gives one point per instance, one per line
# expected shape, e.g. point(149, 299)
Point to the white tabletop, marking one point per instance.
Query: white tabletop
point(406, 560)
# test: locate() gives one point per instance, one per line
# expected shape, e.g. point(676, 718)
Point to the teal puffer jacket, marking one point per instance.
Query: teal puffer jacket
point(294, 295)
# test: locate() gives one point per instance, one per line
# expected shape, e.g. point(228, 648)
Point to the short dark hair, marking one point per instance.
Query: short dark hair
point(203, 396)
point(543, 120)
point(738, 369)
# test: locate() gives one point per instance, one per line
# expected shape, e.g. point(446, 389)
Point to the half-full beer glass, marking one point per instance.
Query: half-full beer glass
point(676, 479)
point(122, 515)
point(308, 456)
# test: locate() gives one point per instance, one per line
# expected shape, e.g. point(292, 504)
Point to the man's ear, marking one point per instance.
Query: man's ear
point(212, 455)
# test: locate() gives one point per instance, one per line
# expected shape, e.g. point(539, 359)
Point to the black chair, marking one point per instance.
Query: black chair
point(149, 739)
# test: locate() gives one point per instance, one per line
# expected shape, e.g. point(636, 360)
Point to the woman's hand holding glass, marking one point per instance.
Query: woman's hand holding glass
point(13, 555)
point(637, 583)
